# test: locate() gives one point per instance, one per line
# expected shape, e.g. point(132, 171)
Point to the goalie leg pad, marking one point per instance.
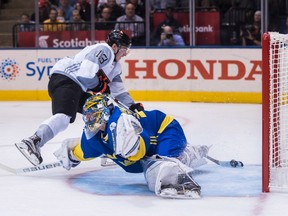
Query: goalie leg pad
point(194, 156)
point(165, 177)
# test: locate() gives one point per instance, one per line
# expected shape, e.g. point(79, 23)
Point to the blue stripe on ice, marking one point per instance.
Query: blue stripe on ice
point(111, 181)
point(219, 181)
point(214, 181)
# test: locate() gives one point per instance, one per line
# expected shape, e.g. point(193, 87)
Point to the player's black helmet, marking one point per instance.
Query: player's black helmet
point(118, 37)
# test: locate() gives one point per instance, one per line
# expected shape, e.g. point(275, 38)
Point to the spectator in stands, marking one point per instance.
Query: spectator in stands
point(25, 24)
point(55, 2)
point(77, 23)
point(2, 2)
point(137, 29)
point(104, 22)
point(250, 34)
point(65, 5)
point(121, 3)
point(139, 7)
point(159, 5)
point(205, 5)
point(183, 5)
point(169, 20)
point(84, 8)
point(249, 5)
point(61, 14)
point(238, 14)
point(44, 10)
point(168, 38)
point(116, 10)
point(52, 24)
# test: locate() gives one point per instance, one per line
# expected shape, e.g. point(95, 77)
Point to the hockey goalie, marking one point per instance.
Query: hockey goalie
point(150, 142)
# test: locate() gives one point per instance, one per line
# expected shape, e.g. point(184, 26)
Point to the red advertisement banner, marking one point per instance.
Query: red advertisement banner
point(207, 26)
point(61, 39)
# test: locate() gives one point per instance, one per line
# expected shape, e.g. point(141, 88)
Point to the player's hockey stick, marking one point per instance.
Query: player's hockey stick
point(31, 168)
point(120, 104)
point(231, 163)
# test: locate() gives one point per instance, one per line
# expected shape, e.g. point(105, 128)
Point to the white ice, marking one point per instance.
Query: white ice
point(234, 130)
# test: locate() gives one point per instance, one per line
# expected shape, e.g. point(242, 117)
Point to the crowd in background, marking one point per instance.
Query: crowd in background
point(240, 20)
point(2, 2)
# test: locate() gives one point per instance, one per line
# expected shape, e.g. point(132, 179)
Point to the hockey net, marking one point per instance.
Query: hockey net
point(275, 112)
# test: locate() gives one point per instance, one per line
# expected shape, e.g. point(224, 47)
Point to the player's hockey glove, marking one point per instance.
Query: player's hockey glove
point(102, 87)
point(137, 107)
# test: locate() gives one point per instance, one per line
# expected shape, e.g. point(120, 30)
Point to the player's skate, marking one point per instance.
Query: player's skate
point(29, 147)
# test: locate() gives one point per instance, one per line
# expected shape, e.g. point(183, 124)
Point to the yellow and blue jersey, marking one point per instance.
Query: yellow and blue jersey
point(162, 135)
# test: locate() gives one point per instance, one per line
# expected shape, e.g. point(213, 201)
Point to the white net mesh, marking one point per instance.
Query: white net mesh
point(278, 159)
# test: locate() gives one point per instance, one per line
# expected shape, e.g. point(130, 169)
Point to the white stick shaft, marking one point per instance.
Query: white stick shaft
point(8, 169)
point(31, 168)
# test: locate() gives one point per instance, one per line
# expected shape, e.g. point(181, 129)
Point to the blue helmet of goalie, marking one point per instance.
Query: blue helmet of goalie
point(96, 111)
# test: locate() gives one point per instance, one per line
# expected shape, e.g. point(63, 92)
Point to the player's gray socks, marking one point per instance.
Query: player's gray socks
point(45, 133)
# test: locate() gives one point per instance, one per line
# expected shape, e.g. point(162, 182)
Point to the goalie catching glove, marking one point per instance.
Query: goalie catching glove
point(127, 135)
point(65, 155)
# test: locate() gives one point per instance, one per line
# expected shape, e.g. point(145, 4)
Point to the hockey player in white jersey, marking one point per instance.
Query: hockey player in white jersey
point(96, 68)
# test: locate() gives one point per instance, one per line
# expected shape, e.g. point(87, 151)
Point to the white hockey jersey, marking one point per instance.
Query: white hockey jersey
point(82, 68)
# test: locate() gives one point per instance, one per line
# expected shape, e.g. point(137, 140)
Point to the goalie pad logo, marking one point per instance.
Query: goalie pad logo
point(137, 127)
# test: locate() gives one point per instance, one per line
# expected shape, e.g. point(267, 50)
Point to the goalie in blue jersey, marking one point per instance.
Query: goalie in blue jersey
point(147, 141)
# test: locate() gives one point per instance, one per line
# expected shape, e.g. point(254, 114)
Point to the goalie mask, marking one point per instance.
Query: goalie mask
point(96, 111)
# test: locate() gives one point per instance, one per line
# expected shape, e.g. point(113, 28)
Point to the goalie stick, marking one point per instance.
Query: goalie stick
point(31, 168)
point(231, 163)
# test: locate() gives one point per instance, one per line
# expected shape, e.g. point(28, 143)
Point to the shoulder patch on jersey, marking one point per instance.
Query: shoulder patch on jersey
point(102, 57)
point(104, 54)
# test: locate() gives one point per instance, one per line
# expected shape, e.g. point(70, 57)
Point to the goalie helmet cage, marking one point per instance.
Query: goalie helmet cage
point(274, 112)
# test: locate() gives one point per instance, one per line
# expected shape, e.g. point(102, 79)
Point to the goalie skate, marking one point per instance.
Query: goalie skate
point(29, 148)
point(184, 191)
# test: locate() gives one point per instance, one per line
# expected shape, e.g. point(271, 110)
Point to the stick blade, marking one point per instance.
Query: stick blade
point(235, 164)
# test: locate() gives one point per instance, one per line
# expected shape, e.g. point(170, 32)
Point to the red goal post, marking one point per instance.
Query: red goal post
point(274, 112)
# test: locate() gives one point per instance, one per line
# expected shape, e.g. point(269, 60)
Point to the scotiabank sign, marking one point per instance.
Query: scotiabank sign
point(207, 26)
point(61, 39)
point(207, 29)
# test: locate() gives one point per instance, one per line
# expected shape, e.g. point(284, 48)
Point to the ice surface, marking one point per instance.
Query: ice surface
point(234, 130)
